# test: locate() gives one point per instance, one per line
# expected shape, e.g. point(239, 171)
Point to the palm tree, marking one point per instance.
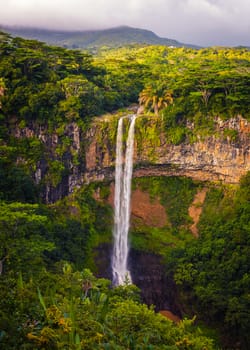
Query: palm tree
point(155, 97)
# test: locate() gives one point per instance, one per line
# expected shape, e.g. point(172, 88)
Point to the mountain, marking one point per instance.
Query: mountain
point(90, 39)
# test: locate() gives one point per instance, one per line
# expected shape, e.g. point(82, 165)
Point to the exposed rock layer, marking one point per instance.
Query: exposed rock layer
point(90, 156)
point(144, 209)
point(195, 210)
point(214, 158)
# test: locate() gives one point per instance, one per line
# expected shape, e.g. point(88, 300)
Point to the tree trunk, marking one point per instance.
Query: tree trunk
point(156, 110)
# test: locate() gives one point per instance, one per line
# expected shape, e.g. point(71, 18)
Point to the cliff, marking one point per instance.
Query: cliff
point(212, 158)
point(72, 156)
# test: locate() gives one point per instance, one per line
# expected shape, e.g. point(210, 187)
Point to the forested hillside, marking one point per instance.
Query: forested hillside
point(94, 39)
point(49, 297)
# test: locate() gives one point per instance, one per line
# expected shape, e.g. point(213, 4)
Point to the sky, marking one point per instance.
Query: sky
point(200, 22)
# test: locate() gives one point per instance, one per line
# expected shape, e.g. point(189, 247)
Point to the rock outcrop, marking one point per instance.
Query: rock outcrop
point(62, 146)
point(195, 210)
point(143, 208)
point(148, 273)
point(90, 156)
point(211, 158)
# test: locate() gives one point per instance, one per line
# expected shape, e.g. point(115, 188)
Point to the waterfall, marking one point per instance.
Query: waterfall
point(123, 177)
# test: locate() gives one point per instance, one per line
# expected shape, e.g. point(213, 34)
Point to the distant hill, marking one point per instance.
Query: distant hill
point(91, 39)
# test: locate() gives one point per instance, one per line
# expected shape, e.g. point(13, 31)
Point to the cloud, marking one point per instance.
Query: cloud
point(204, 22)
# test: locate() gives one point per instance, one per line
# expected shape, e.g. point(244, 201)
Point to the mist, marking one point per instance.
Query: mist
point(201, 22)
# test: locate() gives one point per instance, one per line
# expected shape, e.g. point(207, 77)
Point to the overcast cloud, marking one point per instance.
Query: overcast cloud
point(201, 22)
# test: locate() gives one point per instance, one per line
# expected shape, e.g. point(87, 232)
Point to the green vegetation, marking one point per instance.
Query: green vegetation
point(50, 301)
point(212, 81)
point(48, 98)
point(176, 195)
point(74, 310)
point(213, 272)
point(155, 97)
point(43, 83)
point(184, 86)
point(43, 89)
point(147, 134)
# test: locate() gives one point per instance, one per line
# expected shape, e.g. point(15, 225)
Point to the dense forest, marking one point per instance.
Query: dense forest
point(50, 297)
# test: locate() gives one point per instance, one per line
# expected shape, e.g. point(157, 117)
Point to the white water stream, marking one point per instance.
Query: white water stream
point(123, 177)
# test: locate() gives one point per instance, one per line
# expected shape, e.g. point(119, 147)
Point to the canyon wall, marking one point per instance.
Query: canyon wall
point(148, 274)
point(88, 156)
point(211, 158)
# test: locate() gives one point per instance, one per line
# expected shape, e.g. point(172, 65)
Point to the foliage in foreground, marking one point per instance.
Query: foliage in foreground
point(51, 86)
point(47, 305)
point(74, 310)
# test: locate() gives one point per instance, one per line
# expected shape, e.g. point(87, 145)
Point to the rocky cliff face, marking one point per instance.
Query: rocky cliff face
point(61, 165)
point(90, 156)
point(211, 158)
point(148, 273)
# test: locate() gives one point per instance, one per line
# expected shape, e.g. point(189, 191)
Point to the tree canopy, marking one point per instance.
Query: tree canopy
point(48, 297)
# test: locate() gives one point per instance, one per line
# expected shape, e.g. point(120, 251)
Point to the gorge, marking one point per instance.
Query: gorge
point(210, 158)
point(189, 231)
point(213, 157)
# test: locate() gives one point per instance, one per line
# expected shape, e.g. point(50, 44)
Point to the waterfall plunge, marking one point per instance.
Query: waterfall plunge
point(123, 177)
